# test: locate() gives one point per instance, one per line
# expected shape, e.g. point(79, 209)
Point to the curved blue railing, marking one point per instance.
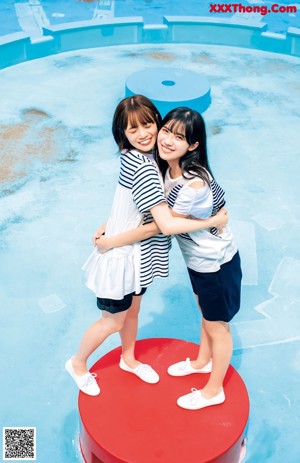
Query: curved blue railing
point(19, 47)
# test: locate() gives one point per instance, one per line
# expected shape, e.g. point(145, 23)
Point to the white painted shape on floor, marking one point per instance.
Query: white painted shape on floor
point(267, 221)
point(258, 333)
point(244, 234)
point(51, 303)
point(282, 322)
point(286, 280)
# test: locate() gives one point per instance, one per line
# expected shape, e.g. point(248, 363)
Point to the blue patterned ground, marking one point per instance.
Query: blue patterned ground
point(55, 130)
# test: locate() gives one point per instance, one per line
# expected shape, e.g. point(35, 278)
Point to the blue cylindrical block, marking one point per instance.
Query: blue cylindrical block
point(169, 88)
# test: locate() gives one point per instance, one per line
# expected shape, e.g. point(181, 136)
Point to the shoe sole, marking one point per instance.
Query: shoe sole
point(134, 373)
point(211, 404)
point(199, 371)
point(189, 373)
point(200, 408)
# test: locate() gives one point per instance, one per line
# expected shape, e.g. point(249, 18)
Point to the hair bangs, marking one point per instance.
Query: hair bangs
point(176, 127)
point(180, 122)
point(140, 115)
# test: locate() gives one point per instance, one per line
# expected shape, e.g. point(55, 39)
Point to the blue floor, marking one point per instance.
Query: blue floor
point(58, 11)
point(58, 172)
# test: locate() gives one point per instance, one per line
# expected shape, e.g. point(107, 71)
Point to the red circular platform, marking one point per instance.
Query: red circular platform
point(135, 422)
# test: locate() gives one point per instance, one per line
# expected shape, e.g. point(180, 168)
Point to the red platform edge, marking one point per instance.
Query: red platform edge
point(115, 428)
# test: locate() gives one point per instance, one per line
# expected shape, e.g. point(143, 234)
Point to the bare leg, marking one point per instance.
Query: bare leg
point(129, 332)
point(94, 337)
point(205, 351)
point(219, 333)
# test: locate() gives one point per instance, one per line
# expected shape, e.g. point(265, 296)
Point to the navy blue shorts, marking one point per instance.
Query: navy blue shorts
point(219, 293)
point(117, 305)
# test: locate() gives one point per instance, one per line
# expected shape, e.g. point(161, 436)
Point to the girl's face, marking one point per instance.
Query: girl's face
point(142, 136)
point(171, 142)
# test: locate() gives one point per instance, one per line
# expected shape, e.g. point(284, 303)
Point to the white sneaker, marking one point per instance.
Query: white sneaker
point(86, 382)
point(185, 368)
point(143, 371)
point(194, 400)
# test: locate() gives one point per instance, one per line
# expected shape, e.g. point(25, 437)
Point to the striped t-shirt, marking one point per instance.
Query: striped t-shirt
point(140, 174)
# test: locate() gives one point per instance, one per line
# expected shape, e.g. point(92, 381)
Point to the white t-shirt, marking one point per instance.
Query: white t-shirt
point(127, 269)
point(204, 250)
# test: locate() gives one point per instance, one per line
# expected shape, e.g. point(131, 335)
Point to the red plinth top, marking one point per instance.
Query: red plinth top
point(134, 422)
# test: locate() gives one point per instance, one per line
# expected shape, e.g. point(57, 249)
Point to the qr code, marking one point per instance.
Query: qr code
point(19, 443)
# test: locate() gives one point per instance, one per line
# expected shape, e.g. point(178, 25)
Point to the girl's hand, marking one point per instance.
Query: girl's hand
point(98, 234)
point(221, 219)
point(102, 244)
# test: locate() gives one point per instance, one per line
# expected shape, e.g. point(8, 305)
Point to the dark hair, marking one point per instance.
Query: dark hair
point(195, 162)
point(133, 109)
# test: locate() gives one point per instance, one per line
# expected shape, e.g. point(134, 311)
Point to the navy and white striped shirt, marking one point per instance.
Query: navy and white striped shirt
point(140, 175)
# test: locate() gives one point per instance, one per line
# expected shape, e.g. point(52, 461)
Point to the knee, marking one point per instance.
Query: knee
point(111, 325)
point(217, 329)
point(133, 313)
point(116, 325)
point(134, 309)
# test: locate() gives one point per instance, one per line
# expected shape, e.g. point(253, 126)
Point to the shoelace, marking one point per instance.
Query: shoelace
point(144, 368)
point(89, 379)
point(185, 364)
point(194, 395)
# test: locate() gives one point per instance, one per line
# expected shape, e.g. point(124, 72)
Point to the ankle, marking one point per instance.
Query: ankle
point(79, 365)
point(130, 361)
point(209, 392)
point(199, 363)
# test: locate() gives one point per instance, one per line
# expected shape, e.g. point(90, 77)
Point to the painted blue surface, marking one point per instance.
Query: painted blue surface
point(169, 88)
point(50, 210)
point(9, 20)
point(56, 27)
point(59, 12)
point(46, 39)
point(63, 104)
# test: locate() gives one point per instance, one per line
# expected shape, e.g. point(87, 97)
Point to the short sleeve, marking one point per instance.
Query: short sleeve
point(196, 202)
point(146, 189)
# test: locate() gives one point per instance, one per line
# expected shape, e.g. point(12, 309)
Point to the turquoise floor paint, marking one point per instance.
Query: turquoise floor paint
point(50, 209)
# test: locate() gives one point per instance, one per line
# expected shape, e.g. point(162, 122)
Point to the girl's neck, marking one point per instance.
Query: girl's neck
point(148, 153)
point(174, 170)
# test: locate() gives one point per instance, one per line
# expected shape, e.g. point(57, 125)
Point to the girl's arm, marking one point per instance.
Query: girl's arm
point(177, 224)
point(170, 225)
point(98, 234)
point(105, 243)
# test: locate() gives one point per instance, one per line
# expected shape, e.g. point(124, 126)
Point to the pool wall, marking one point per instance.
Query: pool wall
point(19, 47)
